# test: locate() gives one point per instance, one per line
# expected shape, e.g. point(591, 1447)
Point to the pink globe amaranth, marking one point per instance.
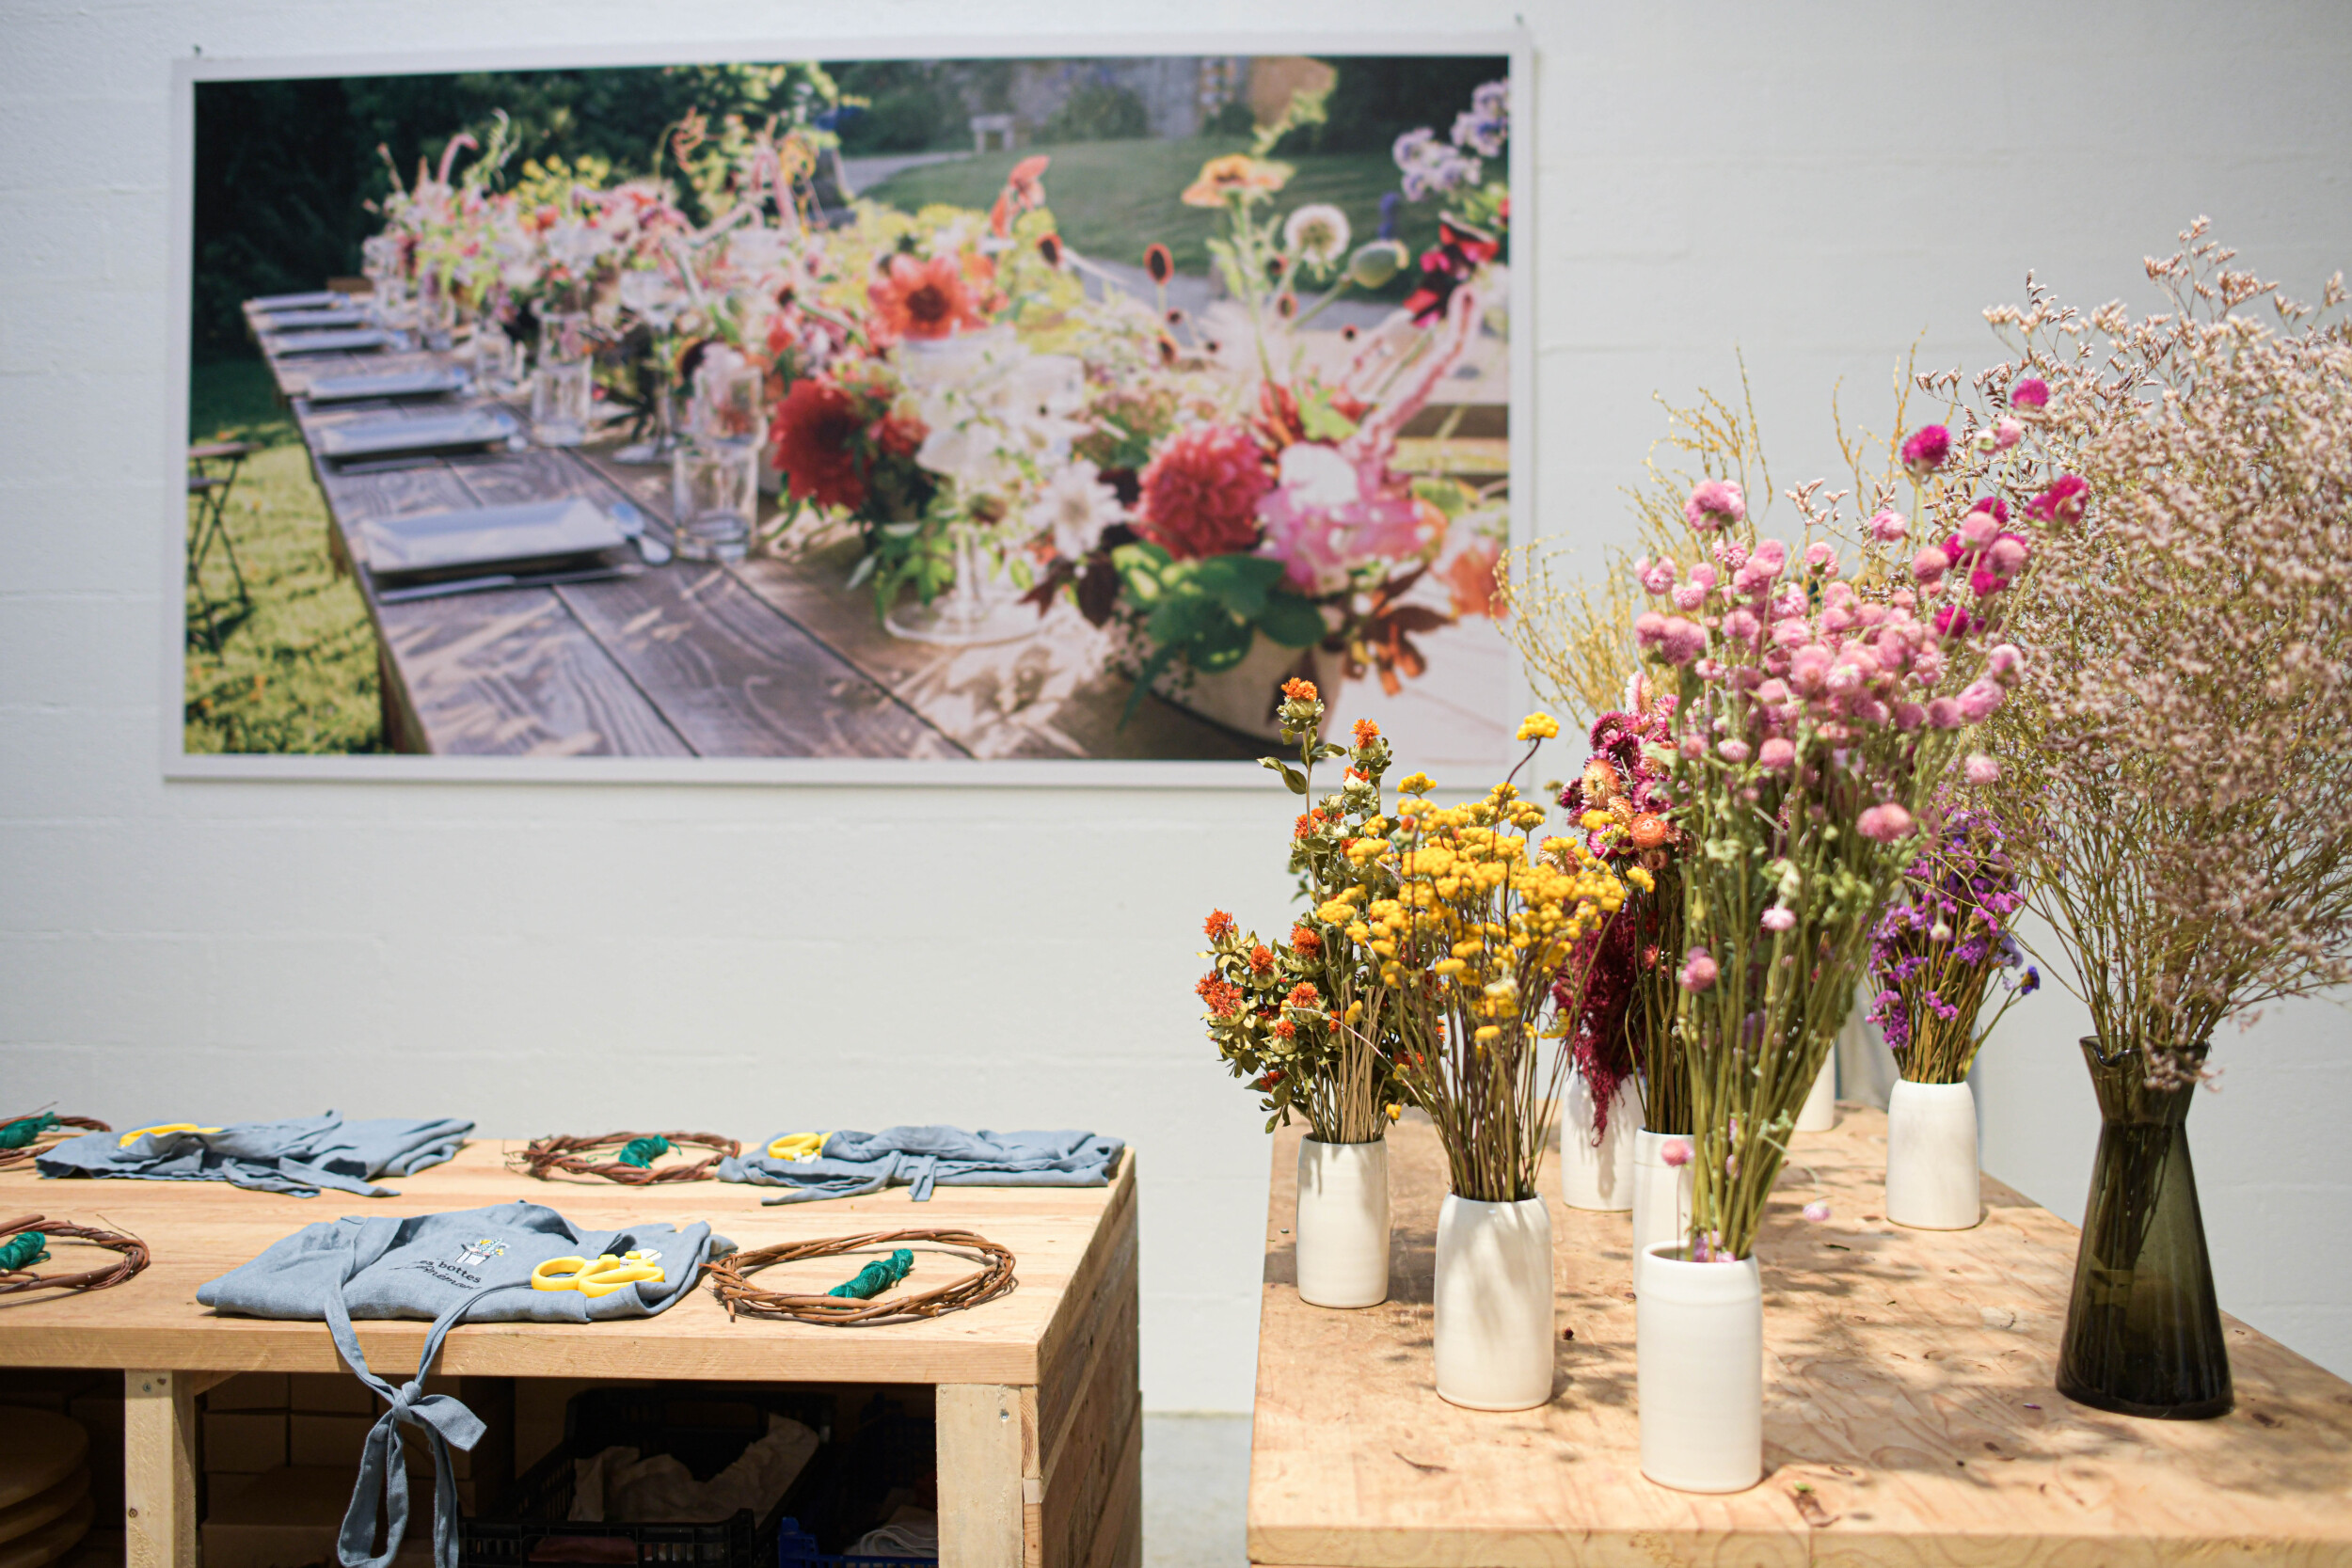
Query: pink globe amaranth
point(1821, 556)
point(1777, 755)
point(1889, 526)
point(1714, 503)
point(1908, 716)
point(1741, 625)
point(1656, 577)
point(1926, 448)
point(1982, 770)
point(1698, 971)
point(1681, 641)
point(2006, 433)
point(2063, 501)
point(1978, 528)
point(2031, 392)
point(1704, 576)
point(1885, 823)
point(1648, 627)
point(1690, 747)
point(1816, 1212)
point(1777, 919)
point(2008, 555)
point(1944, 714)
point(1733, 751)
point(1952, 621)
point(1689, 595)
point(1979, 699)
point(1772, 555)
point(2005, 664)
point(1929, 566)
point(1676, 1154)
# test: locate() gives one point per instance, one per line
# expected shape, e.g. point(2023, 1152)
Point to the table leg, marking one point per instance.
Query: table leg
point(159, 1469)
point(981, 1446)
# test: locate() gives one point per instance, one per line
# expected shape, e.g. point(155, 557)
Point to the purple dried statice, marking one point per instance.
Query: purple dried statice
point(1941, 943)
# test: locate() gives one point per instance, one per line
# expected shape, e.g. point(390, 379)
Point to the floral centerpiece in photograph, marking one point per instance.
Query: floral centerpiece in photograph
point(1470, 920)
point(1944, 948)
point(1301, 1020)
point(2178, 783)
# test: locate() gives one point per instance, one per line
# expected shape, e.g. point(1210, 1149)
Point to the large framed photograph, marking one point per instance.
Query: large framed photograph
point(1004, 415)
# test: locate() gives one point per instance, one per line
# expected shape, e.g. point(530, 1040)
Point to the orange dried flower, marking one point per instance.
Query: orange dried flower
point(1306, 939)
point(1222, 996)
point(1286, 1029)
point(1219, 926)
point(1308, 823)
point(1650, 831)
point(1261, 959)
point(1298, 690)
point(1366, 733)
point(1304, 995)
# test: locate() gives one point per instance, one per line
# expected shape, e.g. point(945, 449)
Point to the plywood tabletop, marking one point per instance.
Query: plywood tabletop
point(1063, 1239)
point(1909, 1412)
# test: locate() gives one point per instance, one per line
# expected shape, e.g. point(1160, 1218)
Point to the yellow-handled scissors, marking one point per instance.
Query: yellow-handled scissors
point(601, 1278)
point(799, 1147)
point(129, 1138)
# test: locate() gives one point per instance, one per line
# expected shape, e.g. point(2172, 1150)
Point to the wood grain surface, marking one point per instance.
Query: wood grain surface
point(199, 1230)
point(1909, 1413)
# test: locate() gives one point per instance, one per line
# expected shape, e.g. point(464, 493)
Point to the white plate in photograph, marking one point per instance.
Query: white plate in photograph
point(423, 381)
point(381, 434)
point(354, 342)
point(313, 320)
point(318, 300)
point(489, 536)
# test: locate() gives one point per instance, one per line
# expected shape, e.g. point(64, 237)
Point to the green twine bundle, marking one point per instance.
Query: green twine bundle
point(22, 1251)
point(876, 1276)
point(16, 1134)
point(643, 1153)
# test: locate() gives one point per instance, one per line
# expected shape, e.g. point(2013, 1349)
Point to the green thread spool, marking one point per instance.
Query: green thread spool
point(876, 1276)
point(641, 1152)
point(16, 1134)
point(21, 1252)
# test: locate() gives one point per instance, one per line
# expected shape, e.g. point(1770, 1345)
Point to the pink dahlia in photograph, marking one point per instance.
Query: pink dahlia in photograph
point(1200, 492)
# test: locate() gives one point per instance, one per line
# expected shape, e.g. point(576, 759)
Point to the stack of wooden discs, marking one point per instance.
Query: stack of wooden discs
point(45, 1505)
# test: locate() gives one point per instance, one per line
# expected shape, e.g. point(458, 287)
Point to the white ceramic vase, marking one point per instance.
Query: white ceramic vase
point(1494, 1327)
point(1598, 1178)
point(1819, 1114)
point(1661, 1197)
point(1698, 1351)
point(1932, 1156)
point(1343, 1224)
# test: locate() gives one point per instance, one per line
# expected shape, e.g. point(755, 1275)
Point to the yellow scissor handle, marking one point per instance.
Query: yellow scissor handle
point(601, 1278)
point(799, 1147)
point(125, 1141)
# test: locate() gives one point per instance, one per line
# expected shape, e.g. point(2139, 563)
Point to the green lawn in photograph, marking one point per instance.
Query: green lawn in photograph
point(297, 672)
point(1111, 199)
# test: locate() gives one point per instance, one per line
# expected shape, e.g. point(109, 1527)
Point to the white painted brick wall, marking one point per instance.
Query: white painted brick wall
point(1818, 185)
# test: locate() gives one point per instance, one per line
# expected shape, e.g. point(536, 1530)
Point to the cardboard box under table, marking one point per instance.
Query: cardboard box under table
point(1040, 1419)
point(1909, 1413)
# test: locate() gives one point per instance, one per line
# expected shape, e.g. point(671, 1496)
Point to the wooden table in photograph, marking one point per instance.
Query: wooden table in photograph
point(1909, 1414)
point(770, 657)
point(1040, 1418)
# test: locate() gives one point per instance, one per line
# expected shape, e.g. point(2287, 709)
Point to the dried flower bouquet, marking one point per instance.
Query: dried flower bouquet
point(1942, 945)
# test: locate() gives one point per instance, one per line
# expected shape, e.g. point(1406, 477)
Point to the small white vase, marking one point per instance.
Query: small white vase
point(1932, 1156)
point(1698, 1353)
point(1598, 1178)
point(1494, 1326)
point(1343, 1224)
point(1661, 1197)
point(1819, 1114)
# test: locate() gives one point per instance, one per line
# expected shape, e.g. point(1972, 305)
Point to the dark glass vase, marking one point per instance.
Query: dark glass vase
point(2143, 1331)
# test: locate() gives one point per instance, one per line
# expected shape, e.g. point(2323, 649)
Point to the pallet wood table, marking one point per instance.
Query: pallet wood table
point(772, 656)
point(1909, 1414)
point(1040, 1418)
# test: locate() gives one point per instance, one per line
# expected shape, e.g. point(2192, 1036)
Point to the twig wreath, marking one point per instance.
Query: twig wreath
point(30, 1235)
point(23, 1138)
point(631, 1156)
point(731, 1284)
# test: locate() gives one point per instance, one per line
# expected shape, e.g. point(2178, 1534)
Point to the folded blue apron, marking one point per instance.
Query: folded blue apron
point(475, 1266)
point(852, 1165)
point(298, 1156)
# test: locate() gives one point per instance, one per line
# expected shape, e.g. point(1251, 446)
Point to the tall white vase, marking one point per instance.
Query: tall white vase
point(1343, 1224)
point(1698, 1355)
point(1819, 1114)
point(1598, 1178)
point(1661, 1197)
point(1932, 1156)
point(1494, 1326)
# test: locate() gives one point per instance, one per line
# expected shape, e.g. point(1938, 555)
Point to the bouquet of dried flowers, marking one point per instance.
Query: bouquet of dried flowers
point(1301, 1020)
point(2179, 773)
point(1816, 718)
point(1467, 928)
point(1626, 1023)
point(1942, 943)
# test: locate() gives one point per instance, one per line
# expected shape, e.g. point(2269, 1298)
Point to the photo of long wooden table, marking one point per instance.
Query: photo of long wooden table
point(1039, 1409)
point(769, 656)
point(1909, 1413)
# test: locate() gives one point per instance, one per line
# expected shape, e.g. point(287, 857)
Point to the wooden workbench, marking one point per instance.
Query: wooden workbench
point(1909, 1413)
point(1040, 1418)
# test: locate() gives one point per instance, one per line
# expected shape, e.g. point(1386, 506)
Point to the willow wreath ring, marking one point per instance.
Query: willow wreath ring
point(601, 1156)
point(730, 1280)
point(15, 1279)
